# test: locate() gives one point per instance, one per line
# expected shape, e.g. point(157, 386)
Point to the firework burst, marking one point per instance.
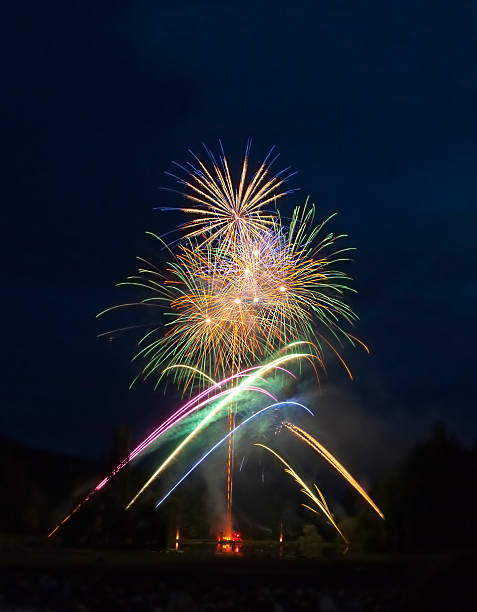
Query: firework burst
point(243, 293)
point(228, 306)
point(226, 210)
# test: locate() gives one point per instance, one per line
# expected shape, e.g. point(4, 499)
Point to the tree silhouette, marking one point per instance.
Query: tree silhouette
point(429, 500)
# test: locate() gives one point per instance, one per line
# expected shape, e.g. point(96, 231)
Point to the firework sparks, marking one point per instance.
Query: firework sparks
point(319, 500)
point(226, 437)
point(226, 211)
point(230, 307)
point(242, 284)
point(224, 402)
point(242, 289)
point(193, 405)
point(319, 448)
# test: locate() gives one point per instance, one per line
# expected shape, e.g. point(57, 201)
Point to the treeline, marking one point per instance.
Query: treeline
point(428, 500)
point(33, 483)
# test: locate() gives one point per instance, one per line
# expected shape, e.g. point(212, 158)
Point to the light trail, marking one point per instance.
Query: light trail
point(234, 392)
point(320, 502)
point(320, 449)
point(190, 407)
point(213, 448)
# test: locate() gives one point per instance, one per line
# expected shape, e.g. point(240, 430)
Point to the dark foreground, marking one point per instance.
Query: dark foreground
point(151, 582)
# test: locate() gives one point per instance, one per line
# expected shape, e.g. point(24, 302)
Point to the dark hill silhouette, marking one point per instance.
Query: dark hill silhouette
point(35, 482)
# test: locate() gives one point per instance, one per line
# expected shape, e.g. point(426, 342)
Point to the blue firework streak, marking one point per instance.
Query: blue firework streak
point(226, 437)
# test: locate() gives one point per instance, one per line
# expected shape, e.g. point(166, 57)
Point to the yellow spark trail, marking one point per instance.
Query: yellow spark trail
point(320, 502)
point(319, 448)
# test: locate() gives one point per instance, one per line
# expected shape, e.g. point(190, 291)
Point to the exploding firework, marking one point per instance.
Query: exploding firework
point(242, 284)
point(242, 295)
point(227, 308)
point(223, 210)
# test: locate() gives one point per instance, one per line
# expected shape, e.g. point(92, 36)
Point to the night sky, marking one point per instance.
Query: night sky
point(373, 103)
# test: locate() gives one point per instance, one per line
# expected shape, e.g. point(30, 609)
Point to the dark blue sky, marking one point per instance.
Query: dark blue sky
point(374, 103)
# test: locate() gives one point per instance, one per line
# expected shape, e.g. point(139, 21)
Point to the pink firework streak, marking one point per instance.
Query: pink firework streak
point(178, 416)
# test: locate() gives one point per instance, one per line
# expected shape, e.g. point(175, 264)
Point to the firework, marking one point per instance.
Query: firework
point(319, 448)
point(221, 405)
point(200, 401)
point(225, 438)
point(227, 308)
point(242, 284)
point(241, 295)
point(319, 501)
point(226, 211)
